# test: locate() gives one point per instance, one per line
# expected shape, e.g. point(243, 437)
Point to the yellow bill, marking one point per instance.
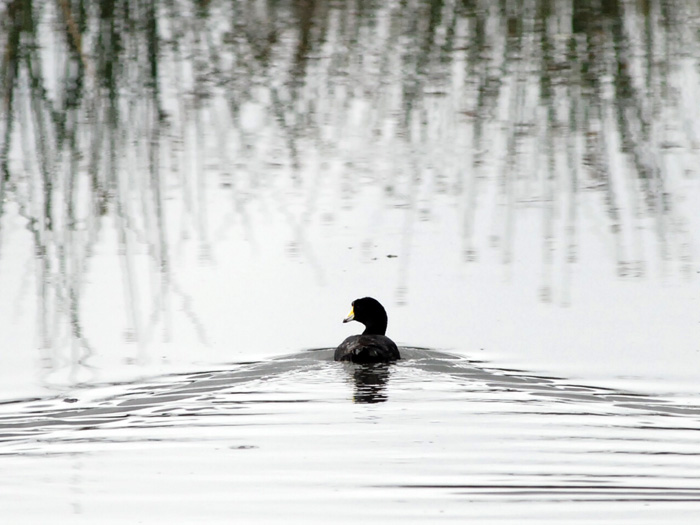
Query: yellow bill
point(351, 316)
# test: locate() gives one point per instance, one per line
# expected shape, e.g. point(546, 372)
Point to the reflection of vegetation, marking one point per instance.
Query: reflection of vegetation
point(579, 108)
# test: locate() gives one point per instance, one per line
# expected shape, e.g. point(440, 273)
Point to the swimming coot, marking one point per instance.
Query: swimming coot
point(372, 346)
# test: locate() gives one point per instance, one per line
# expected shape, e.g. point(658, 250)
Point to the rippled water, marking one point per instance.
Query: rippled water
point(306, 439)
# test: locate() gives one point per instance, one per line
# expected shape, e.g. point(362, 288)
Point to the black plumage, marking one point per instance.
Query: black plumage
point(372, 346)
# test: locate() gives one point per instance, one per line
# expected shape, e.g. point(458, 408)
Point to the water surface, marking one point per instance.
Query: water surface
point(190, 190)
point(433, 436)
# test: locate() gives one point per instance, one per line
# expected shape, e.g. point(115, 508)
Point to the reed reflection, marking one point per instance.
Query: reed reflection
point(132, 119)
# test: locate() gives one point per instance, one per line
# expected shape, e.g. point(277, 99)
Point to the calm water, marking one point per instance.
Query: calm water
point(191, 190)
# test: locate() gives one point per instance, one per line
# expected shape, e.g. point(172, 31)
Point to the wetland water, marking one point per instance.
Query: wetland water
point(434, 435)
point(192, 194)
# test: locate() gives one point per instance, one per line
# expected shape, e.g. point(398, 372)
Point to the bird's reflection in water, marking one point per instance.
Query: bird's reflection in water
point(370, 382)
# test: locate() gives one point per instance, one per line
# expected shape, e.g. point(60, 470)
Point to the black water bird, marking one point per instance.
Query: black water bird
point(372, 346)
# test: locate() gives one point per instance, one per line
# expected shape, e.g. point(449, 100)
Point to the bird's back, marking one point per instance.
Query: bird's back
point(367, 349)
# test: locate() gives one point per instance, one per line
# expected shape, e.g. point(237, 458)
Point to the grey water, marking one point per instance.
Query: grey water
point(433, 436)
point(192, 193)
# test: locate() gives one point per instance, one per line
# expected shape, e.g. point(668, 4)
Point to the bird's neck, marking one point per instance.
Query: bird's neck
point(377, 328)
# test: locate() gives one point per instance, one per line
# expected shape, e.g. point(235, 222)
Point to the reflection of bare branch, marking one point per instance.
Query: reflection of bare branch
point(191, 313)
point(73, 31)
point(394, 93)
